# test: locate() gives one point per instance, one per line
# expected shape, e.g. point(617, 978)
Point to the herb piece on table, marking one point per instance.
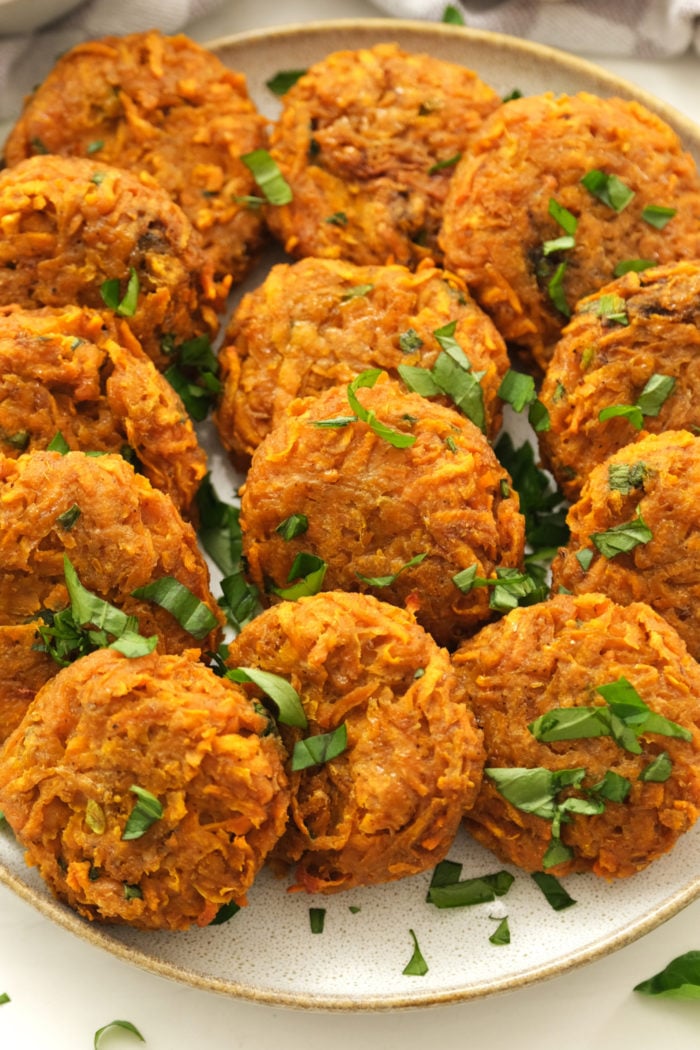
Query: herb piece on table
point(680, 979)
point(125, 1026)
point(4, 998)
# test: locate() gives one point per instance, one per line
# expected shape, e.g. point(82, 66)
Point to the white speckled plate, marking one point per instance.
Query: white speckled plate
point(267, 952)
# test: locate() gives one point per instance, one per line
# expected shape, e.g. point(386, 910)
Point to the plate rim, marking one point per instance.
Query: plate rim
point(98, 936)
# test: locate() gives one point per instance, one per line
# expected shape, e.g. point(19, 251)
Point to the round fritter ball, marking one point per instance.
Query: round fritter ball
point(73, 371)
point(70, 225)
point(320, 322)
point(166, 109)
point(647, 353)
point(397, 521)
point(118, 532)
point(105, 729)
point(390, 804)
point(558, 654)
point(367, 141)
point(529, 161)
point(635, 531)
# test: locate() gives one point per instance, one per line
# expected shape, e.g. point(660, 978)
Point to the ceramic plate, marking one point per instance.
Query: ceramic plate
point(267, 952)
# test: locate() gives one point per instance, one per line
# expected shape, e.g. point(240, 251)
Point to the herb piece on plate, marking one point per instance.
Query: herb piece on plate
point(416, 966)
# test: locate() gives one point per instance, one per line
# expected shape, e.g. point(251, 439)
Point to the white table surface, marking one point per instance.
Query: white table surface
point(62, 989)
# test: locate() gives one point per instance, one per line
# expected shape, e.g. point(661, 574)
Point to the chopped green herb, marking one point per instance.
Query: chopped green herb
point(132, 892)
point(319, 749)
point(659, 769)
point(445, 873)
point(657, 215)
point(94, 147)
point(534, 790)
point(563, 216)
point(632, 266)
point(354, 909)
point(4, 998)
point(509, 585)
point(338, 218)
point(69, 517)
point(225, 912)
point(553, 890)
point(453, 15)
point(58, 444)
point(626, 477)
point(558, 244)
point(613, 787)
point(38, 146)
point(517, 389)
point(190, 612)
point(18, 440)
point(239, 599)
point(451, 375)
point(282, 693)
point(465, 893)
point(680, 979)
point(336, 423)
point(144, 814)
point(268, 176)
point(584, 558)
point(358, 291)
point(219, 528)
point(541, 503)
point(555, 290)
point(501, 934)
point(124, 306)
point(608, 189)
point(281, 82)
point(632, 413)
point(293, 526)
point(621, 539)
point(98, 177)
point(416, 966)
point(368, 378)
point(655, 393)
point(511, 96)
point(410, 341)
point(193, 373)
point(609, 307)
point(449, 162)
point(387, 581)
point(125, 1026)
point(309, 571)
point(317, 919)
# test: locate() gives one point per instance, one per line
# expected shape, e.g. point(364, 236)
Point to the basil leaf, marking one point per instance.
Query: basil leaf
point(132, 644)
point(534, 790)
point(563, 216)
point(517, 389)
point(225, 912)
point(58, 444)
point(625, 477)
point(555, 290)
point(319, 749)
point(219, 528)
point(110, 291)
point(571, 723)
point(239, 599)
point(659, 769)
point(453, 16)
point(282, 81)
point(317, 919)
point(387, 581)
point(632, 413)
point(335, 423)
point(558, 244)
point(621, 539)
point(4, 998)
point(338, 218)
point(368, 378)
point(410, 341)
point(69, 517)
point(279, 690)
point(416, 966)
point(446, 872)
point(657, 215)
point(310, 571)
point(125, 1026)
point(613, 787)
point(467, 892)
point(556, 853)
point(542, 504)
point(293, 526)
point(449, 162)
point(268, 177)
point(656, 390)
point(556, 895)
point(145, 813)
point(680, 979)
point(608, 189)
point(632, 266)
point(87, 608)
point(584, 558)
point(501, 934)
point(192, 614)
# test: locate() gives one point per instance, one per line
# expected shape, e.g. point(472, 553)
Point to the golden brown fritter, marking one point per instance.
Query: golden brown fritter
point(320, 322)
point(367, 140)
point(417, 515)
point(74, 371)
point(23, 670)
point(652, 344)
point(68, 225)
point(498, 224)
point(647, 492)
point(166, 109)
point(389, 805)
point(118, 532)
point(557, 654)
point(168, 726)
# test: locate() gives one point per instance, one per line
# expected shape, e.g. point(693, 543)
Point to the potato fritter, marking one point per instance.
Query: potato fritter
point(649, 352)
point(397, 521)
point(108, 727)
point(389, 805)
point(320, 322)
point(171, 112)
point(119, 534)
point(520, 189)
point(635, 531)
point(367, 140)
point(68, 225)
point(557, 655)
point(73, 371)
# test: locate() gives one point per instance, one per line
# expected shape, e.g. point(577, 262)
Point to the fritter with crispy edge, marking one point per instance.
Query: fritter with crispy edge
point(390, 803)
point(171, 112)
point(631, 351)
point(77, 372)
point(635, 531)
point(320, 322)
point(367, 140)
point(104, 731)
point(529, 237)
point(399, 522)
point(118, 532)
point(73, 231)
point(622, 805)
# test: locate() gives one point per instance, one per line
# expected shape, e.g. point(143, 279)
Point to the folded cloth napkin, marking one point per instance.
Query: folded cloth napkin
point(25, 59)
point(647, 28)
